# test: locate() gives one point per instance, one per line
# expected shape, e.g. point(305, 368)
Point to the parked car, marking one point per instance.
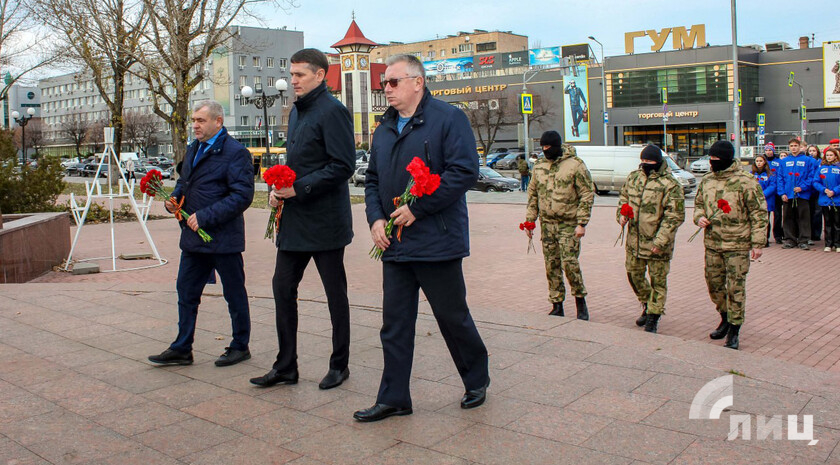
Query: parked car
point(609, 166)
point(508, 162)
point(74, 169)
point(489, 180)
point(90, 170)
point(358, 178)
point(701, 165)
point(493, 157)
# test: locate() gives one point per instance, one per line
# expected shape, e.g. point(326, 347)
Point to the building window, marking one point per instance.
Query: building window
point(269, 81)
point(243, 121)
point(464, 48)
point(454, 51)
point(431, 54)
point(689, 85)
point(269, 62)
point(486, 47)
point(442, 53)
point(272, 120)
point(243, 81)
point(285, 101)
point(241, 61)
point(257, 82)
point(283, 63)
point(257, 62)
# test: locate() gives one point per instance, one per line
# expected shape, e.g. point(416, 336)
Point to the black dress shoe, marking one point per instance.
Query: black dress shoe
point(334, 378)
point(475, 397)
point(232, 357)
point(556, 309)
point(273, 377)
point(172, 357)
point(380, 412)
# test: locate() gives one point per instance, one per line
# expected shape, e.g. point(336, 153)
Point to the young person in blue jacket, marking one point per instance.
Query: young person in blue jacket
point(827, 184)
point(766, 178)
point(795, 189)
point(775, 165)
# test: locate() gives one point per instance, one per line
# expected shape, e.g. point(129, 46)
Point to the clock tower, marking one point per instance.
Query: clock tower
point(356, 92)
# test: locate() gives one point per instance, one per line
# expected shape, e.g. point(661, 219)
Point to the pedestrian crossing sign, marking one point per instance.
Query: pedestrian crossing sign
point(527, 104)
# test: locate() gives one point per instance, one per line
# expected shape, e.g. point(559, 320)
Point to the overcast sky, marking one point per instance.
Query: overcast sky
point(562, 22)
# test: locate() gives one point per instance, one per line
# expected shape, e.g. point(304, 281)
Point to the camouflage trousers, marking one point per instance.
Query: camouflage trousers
point(561, 250)
point(726, 278)
point(654, 290)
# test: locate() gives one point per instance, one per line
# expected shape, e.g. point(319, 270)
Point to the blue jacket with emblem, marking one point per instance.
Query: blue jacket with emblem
point(797, 171)
point(768, 185)
point(830, 182)
point(440, 135)
point(218, 190)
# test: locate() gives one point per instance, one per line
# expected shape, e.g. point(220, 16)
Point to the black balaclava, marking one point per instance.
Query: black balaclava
point(725, 151)
point(652, 153)
point(553, 139)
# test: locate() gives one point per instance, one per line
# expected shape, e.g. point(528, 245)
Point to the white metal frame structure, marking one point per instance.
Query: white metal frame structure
point(126, 190)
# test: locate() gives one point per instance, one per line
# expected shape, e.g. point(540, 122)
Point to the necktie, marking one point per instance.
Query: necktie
point(201, 148)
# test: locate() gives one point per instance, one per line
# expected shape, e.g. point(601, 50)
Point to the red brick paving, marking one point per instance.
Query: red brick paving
point(793, 301)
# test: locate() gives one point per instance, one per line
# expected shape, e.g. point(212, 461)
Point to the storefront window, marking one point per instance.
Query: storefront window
point(688, 141)
point(696, 84)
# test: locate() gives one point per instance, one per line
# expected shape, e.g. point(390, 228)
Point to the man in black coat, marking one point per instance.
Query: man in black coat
point(216, 187)
point(434, 240)
point(316, 222)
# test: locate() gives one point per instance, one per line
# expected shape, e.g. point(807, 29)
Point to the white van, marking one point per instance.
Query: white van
point(610, 166)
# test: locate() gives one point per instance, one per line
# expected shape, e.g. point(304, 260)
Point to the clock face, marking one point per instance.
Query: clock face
point(363, 63)
point(348, 63)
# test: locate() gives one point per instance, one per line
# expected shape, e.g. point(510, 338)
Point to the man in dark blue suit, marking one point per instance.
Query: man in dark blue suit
point(216, 187)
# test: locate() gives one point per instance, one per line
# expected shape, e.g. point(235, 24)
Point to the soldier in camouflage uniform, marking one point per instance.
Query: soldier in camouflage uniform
point(561, 194)
point(731, 239)
point(658, 204)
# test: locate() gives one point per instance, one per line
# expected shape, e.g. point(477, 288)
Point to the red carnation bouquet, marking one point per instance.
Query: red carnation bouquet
point(278, 177)
point(529, 226)
point(627, 212)
point(795, 194)
point(723, 206)
point(152, 185)
point(422, 182)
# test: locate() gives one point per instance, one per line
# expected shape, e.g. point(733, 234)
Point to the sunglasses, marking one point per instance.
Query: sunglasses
point(393, 82)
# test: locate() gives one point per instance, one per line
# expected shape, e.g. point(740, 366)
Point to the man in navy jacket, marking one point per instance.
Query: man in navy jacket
point(434, 240)
point(316, 223)
point(216, 187)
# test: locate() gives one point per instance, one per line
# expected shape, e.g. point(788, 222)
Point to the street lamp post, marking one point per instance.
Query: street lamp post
point(736, 112)
point(603, 86)
point(22, 121)
point(264, 102)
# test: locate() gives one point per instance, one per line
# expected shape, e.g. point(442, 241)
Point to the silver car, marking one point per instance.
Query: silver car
point(701, 165)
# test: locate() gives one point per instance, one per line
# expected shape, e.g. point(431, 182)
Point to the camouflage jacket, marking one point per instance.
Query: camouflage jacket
point(561, 191)
point(658, 205)
point(743, 228)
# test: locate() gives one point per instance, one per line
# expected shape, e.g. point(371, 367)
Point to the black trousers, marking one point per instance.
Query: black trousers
point(778, 232)
point(797, 216)
point(193, 272)
point(443, 285)
point(832, 226)
point(288, 272)
point(816, 217)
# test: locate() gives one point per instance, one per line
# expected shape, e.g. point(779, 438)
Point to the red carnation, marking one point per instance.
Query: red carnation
point(796, 175)
point(724, 205)
point(627, 210)
point(772, 170)
point(152, 185)
point(278, 177)
point(822, 176)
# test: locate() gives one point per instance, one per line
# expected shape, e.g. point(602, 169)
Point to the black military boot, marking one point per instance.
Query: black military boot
point(642, 319)
point(582, 311)
point(722, 328)
point(732, 337)
point(557, 309)
point(652, 323)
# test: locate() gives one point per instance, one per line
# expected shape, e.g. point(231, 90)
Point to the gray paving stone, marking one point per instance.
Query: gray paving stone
point(617, 404)
point(640, 442)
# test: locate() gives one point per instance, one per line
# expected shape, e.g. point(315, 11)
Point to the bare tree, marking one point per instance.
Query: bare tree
point(74, 128)
point(23, 48)
point(35, 137)
point(141, 130)
point(104, 36)
point(489, 112)
point(182, 35)
point(95, 136)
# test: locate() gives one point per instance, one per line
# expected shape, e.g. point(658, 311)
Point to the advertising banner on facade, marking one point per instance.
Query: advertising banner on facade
point(544, 56)
point(579, 51)
point(576, 106)
point(487, 62)
point(831, 74)
point(451, 65)
point(514, 59)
